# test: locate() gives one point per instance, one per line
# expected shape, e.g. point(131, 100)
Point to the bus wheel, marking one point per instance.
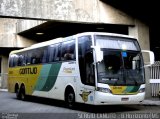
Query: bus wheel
point(22, 93)
point(17, 91)
point(70, 99)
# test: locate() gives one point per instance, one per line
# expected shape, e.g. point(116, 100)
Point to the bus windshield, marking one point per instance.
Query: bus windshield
point(120, 66)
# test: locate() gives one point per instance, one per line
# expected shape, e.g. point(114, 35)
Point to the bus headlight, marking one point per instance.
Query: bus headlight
point(105, 90)
point(141, 90)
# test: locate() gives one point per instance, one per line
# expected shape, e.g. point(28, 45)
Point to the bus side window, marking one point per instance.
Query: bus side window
point(25, 59)
point(11, 63)
point(45, 55)
point(51, 50)
point(20, 60)
point(15, 60)
point(68, 50)
point(28, 58)
point(57, 52)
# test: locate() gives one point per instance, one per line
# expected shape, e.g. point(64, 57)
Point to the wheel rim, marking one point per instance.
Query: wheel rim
point(22, 93)
point(22, 96)
point(17, 92)
point(70, 99)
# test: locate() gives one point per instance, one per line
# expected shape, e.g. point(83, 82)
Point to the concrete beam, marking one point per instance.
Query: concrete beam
point(70, 10)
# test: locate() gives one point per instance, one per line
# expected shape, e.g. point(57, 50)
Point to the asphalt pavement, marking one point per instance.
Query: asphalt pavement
point(151, 101)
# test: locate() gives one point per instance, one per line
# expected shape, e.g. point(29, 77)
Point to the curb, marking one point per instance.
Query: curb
point(5, 90)
point(150, 103)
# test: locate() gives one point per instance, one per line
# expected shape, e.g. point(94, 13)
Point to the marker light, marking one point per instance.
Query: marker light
point(124, 47)
point(39, 33)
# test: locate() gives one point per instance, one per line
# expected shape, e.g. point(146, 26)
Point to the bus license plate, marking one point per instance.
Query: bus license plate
point(124, 99)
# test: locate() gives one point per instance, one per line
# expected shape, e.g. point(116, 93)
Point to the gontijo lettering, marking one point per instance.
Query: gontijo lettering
point(28, 70)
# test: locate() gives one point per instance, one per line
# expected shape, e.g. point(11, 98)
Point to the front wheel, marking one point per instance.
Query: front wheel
point(70, 99)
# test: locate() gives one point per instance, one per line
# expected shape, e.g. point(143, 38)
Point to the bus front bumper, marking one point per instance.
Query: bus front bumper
point(102, 98)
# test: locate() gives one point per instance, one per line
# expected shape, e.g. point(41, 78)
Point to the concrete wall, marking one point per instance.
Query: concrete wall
point(94, 11)
point(72, 10)
point(8, 36)
point(111, 15)
point(7, 32)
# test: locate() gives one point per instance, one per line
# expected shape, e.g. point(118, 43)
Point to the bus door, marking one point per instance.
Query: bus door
point(86, 68)
point(89, 86)
point(87, 72)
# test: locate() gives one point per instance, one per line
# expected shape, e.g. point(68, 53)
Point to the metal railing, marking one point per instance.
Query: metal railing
point(155, 78)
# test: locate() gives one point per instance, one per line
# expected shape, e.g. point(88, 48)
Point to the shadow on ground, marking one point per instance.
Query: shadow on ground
point(84, 107)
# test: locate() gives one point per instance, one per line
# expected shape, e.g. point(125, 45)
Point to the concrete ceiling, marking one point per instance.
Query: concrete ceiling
point(54, 29)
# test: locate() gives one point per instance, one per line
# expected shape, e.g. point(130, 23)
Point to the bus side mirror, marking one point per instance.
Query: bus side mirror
point(148, 57)
point(133, 65)
point(99, 53)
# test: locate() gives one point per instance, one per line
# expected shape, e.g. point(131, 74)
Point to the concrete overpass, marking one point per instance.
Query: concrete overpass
point(21, 20)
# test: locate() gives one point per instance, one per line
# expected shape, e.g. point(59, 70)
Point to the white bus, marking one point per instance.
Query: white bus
point(92, 68)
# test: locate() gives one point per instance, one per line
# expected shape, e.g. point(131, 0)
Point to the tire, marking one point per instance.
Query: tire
point(22, 94)
point(70, 99)
point(17, 91)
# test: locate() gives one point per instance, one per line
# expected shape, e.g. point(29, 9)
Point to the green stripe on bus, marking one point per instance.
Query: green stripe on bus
point(135, 89)
point(132, 89)
point(52, 77)
point(44, 73)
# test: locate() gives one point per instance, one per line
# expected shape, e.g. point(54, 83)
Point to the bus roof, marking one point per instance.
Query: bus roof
point(57, 40)
point(38, 45)
point(105, 33)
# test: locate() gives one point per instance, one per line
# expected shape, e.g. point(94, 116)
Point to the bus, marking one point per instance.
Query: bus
point(93, 68)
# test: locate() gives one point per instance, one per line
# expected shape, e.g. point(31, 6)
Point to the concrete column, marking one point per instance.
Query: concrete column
point(148, 86)
point(4, 71)
point(141, 32)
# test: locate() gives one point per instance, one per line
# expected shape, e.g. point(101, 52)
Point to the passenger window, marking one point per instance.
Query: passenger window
point(68, 50)
point(57, 52)
point(20, 60)
point(11, 60)
point(51, 50)
point(15, 60)
point(45, 55)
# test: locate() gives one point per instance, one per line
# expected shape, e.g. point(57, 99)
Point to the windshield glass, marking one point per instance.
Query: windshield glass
point(120, 67)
